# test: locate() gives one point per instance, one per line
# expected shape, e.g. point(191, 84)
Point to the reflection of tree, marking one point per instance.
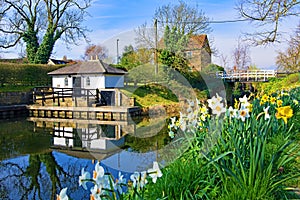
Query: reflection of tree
point(40, 178)
point(52, 168)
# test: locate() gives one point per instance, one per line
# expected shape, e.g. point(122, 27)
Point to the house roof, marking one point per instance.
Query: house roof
point(198, 42)
point(88, 67)
point(194, 42)
point(57, 62)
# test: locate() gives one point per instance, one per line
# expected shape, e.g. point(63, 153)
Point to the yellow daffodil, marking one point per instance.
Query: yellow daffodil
point(250, 107)
point(279, 102)
point(272, 100)
point(284, 113)
point(264, 99)
point(236, 104)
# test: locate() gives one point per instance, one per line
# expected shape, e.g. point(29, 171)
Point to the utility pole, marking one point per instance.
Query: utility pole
point(156, 47)
point(117, 51)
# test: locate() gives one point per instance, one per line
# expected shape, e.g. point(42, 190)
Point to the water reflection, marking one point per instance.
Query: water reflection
point(40, 157)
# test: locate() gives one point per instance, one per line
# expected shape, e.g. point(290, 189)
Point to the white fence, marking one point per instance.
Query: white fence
point(249, 75)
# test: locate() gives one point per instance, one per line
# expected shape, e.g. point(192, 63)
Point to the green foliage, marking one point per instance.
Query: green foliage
point(132, 58)
point(184, 179)
point(277, 84)
point(212, 69)
point(25, 74)
point(44, 51)
point(229, 158)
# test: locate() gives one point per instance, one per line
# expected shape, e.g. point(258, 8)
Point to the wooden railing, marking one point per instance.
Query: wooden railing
point(58, 95)
point(246, 75)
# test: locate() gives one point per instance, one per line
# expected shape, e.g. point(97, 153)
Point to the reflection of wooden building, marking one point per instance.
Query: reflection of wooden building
point(86, 137)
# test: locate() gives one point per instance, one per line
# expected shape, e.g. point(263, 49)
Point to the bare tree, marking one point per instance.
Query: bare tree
point(183, 17)
point(224, 61)
point(241, 56)
point(267, 15)
point(290, 59)
point(96, 50)
point(40, 23)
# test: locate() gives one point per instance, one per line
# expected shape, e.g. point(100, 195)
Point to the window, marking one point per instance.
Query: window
point(189, 54)
point(88, 81)
point(66, 81)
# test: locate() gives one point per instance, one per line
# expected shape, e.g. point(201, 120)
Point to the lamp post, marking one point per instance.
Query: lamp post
point(117, 51)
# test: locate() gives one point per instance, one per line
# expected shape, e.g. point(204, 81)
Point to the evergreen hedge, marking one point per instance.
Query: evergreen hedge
point(25, 74)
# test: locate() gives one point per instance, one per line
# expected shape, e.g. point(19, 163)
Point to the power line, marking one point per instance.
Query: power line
point(210, 22)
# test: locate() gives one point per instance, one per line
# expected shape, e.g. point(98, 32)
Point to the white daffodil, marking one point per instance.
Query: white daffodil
point(135, 177)
point(62, 195)
point(212, 102)
point(84, 178)
point(155, 172)
point(244, 101)
point(219, 98)
point(218, 109)
point(267, 116)
point(143, 180)
point(243, 114)
point(232, 112)
point(98, 173)
point(96, 192)
point(119, 182)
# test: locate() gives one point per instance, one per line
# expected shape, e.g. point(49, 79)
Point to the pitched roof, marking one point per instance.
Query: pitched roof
point(88, 67)
point(197, 42)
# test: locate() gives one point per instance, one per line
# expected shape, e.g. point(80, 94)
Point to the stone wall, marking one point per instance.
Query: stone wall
point(15, 98)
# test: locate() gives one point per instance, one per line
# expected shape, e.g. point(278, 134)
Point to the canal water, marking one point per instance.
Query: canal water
point(39, 158)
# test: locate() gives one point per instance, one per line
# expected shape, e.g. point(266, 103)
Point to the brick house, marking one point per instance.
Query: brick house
point(198, 52)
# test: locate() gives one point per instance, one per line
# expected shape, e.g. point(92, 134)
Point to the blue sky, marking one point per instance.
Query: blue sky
point(117, 19)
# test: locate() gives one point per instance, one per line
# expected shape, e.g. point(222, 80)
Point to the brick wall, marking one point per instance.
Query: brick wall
point(15, 98)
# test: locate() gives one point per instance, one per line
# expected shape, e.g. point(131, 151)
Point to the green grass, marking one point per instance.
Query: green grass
point(151, 95)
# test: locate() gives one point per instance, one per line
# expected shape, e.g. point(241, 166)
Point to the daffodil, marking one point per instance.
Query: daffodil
point(84, 178)
point(279, 102)
point(267, 115)
point(232, 112)
point(96, 192)
point(218, 109)
point(244, 101)
point(155, 172)
point(243, 113)
point(119, 182)
point(139, 180)
point(284, 113)
point(203, 110)
point(295, 102)
point(272, 100)
point(264, 99)
point(62, 195)
point(236, 104)
point(213, 101)
point(98, 174)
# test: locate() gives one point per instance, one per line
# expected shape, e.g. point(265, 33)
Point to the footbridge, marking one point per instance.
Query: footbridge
point(247, 75)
